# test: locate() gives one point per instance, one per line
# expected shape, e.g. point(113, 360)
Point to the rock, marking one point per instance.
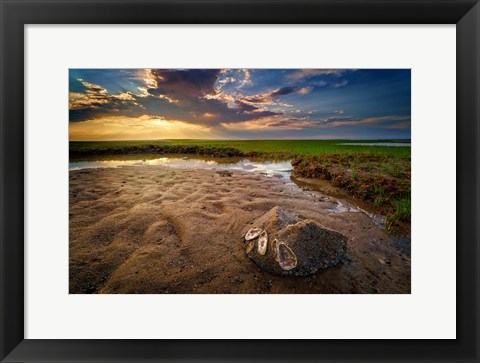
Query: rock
point(295, 246)
point(276, 219)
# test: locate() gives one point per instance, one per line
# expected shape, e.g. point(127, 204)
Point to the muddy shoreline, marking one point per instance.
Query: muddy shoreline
point(381, 182)
point(155, 229)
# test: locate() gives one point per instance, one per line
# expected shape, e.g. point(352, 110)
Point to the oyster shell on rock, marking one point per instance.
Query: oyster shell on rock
point(252, 233)
point(262, 243)
point(275, 249)
point(286, 257)
point(250, 245)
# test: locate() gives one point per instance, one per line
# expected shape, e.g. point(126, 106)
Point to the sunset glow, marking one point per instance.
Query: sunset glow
point(148, 104)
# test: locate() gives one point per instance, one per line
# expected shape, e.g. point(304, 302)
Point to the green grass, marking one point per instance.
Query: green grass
point(274, 148)
point(402, 208)
point(379, 191)
point(402, 211)
point(355, 173)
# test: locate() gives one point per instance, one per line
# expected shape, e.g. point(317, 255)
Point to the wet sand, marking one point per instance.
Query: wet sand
point(156, 229)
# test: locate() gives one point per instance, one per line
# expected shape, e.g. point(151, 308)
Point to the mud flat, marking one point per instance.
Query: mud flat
point(156, 229)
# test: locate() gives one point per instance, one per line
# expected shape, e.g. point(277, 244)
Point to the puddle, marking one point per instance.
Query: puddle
point(268, 168)
point(283, 169)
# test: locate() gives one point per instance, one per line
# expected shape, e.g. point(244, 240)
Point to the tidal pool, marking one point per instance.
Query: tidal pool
point(269, 168)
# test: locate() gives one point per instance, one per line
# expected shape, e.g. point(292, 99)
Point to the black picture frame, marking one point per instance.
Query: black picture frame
point(15, 14)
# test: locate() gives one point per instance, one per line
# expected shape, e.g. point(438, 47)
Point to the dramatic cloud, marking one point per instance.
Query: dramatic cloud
point(95, 101)
point(185, 95)
point(205, 103)
point(183, 84)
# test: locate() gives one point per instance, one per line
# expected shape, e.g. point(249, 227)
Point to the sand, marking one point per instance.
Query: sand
point(155, 229)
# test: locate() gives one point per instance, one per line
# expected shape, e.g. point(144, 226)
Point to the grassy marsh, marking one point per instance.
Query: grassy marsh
point(277, 149)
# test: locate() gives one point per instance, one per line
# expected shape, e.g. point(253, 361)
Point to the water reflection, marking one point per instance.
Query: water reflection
point(269, 168)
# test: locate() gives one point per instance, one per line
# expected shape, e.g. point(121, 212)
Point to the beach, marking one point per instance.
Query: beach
point(157, 229)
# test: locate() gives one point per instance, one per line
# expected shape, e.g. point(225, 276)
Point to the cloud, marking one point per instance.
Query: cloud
point(149, 78)
point(214, 99)
point(186, 95)
point(303, 74)
point(384, 121)
point(273, 123)
point(233, 78)
point(304, 122)
point(320, 83)
point(343, 83)
point(401, 125)
point(96, 102)
point(305, 90)
point(268, 98)
point(183, 84)
point(246, 78)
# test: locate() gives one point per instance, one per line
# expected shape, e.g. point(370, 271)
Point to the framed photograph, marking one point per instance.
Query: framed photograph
point(240, 181)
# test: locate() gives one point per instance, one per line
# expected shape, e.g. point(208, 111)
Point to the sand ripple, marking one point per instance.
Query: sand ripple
point(155, 229)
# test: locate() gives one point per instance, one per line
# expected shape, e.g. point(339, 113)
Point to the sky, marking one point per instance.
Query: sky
point(151, 104)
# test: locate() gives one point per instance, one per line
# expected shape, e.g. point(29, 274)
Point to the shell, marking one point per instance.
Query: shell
point(250, 246)
point(275, 249)
point(286, 258)
point(262, 243)
point(252, 233)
